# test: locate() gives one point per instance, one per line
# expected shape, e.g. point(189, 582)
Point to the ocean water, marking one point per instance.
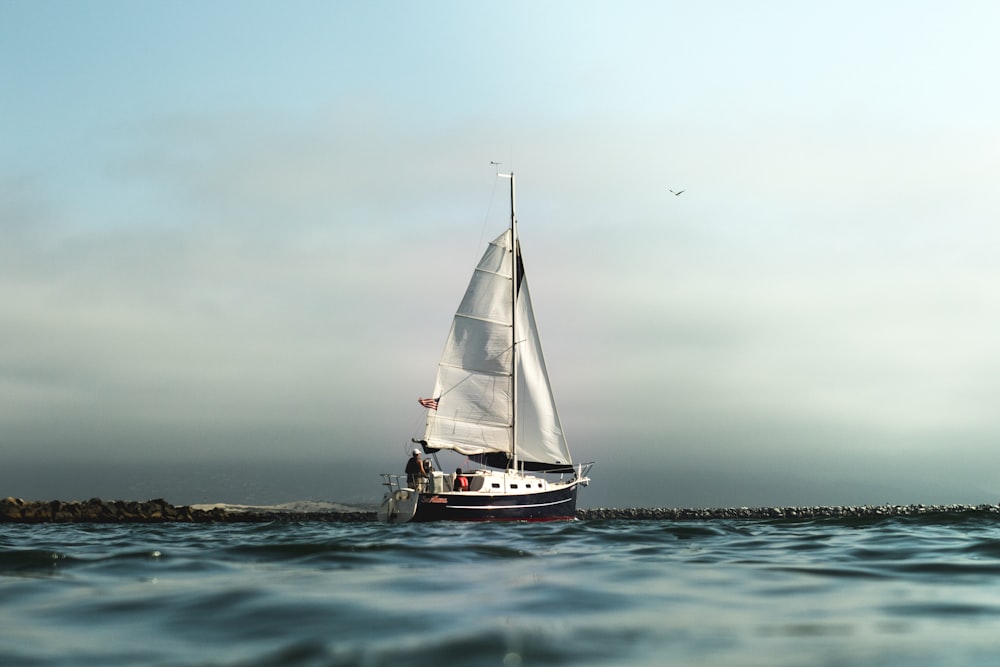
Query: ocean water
point(892, 591)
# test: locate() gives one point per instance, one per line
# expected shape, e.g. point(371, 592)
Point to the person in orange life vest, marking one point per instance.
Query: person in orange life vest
point(461, 481)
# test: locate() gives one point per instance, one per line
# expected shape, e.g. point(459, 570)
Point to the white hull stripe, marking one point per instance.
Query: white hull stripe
point(505, 507)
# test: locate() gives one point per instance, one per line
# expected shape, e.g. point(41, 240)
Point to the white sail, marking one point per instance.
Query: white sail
point(476, 413)
point(540, 437)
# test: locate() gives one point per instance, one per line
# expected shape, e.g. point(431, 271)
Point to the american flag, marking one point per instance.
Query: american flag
point(431, 403)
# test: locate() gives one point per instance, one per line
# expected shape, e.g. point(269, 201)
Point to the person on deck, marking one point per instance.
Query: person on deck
point(461, 481)
point(415, 470)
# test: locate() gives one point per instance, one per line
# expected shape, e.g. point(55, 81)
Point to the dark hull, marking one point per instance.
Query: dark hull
point(554, 505)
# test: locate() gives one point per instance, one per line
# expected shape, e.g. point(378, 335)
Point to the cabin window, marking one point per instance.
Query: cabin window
point(513, 486)
point(496, 485)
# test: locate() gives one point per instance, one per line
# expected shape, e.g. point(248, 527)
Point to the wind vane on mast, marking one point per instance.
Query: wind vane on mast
point(497, 165)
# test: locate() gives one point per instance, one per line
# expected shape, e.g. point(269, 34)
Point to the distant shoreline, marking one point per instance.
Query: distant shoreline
point(95, 510)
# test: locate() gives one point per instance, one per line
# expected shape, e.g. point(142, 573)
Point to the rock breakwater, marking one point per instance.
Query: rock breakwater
point(95, 510)
point(794, 513)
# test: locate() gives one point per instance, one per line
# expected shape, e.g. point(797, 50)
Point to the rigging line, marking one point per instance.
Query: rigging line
point(471, 374)
point(421, 419)
point(489, 209)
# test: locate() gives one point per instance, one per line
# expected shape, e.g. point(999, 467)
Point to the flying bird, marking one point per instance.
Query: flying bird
point(676, 193)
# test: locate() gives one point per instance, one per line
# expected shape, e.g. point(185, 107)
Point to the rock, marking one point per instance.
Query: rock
point(10, 509)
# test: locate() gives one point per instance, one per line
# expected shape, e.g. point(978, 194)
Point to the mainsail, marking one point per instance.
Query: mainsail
point(494, 344)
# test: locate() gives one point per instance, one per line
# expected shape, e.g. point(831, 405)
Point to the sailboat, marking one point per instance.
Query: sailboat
point(492, 405)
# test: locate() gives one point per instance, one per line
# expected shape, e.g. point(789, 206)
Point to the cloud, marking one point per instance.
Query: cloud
point(278, 284)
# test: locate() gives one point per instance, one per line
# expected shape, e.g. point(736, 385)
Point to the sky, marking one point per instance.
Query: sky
point(233, 234)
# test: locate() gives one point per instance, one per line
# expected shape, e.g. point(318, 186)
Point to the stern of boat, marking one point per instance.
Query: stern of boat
point(399, 502)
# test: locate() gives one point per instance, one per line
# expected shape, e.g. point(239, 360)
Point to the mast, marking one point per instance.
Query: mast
point(513, 319)
point(515, 270)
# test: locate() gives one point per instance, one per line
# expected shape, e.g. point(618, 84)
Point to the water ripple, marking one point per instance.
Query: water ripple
point(899, 591)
